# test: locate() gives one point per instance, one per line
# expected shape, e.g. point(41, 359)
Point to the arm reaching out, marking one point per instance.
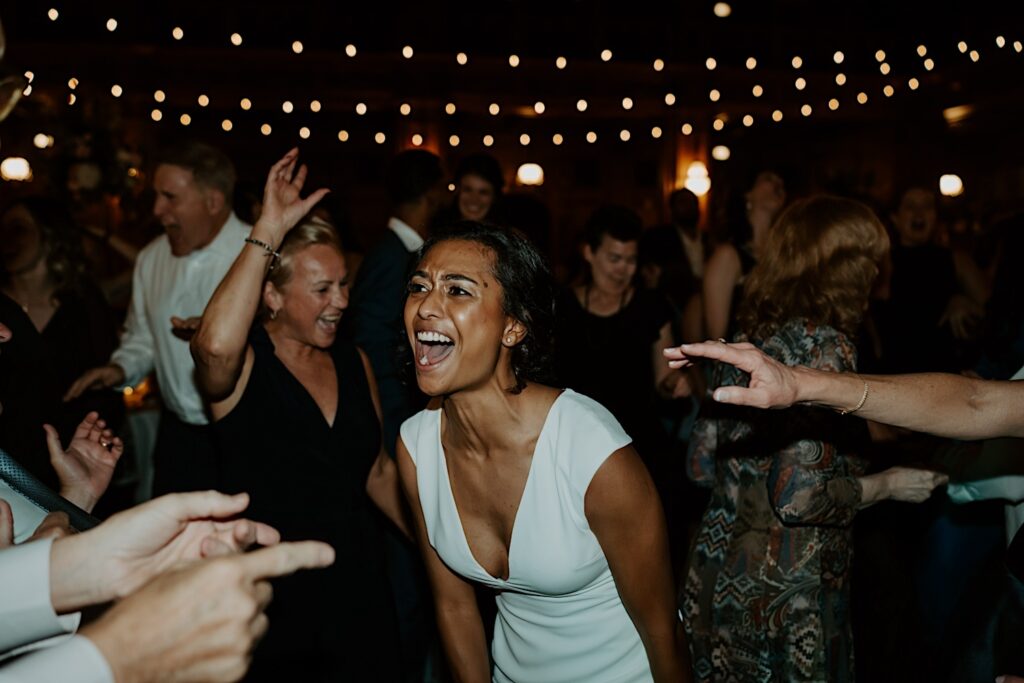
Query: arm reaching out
point(941, 404)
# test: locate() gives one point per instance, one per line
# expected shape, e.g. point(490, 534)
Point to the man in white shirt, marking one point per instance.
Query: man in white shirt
point(175, 276)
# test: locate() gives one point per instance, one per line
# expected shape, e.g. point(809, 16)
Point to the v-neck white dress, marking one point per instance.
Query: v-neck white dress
point(560, 618)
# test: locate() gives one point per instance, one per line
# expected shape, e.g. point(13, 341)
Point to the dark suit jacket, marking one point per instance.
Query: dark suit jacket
point(373, 322)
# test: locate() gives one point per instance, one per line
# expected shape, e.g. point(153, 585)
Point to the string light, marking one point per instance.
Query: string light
point(287, 107)
point(116, 90)
point(177, 33)
point(862, 97)
point(591, 137)
point(921, 50)
point(304, 133)
point(659, 64)
point(581, 105)
point(748, 120)
point(513, 61)
point(718, 124)
point(962, 46)
point(236, 39)
point(405, 109)
point(840, 79)
point(606, 55)
point(627, 103)
point(488, 140)
point(449, 108)
point(557, 139)
point(797, 62)
point(53, 14)
point(975, 56)
point(462, 59)
point(833, 104)
point(929, 64)
point(72, 99)
point(670, 99)
point(266, 129)
point(41, 141)
point(913, 84)
point(159, 96)
point(884, 68)
point(185, 119)
point(342, 136)
point(838, 57)
point(453, 140)
point(297, 47)
point(451, 187)
point(27, 91)
point(722, 10)
point(800, 83)
point(711, 63)
point(379, 138)
point(561, 63)
point(227, 125)
point(751, 63)
point(806, 110)
point(686, 129)
point(757, 90)
point(880, 56)
point(361, 108)
point(245, 104)
point(624, 135)
point(656, 132)
point(73, 83)
point(350, 50)
point(417, 140)
point(203, 100)
point(714, 95)
point(156, 114)
point(524, 139)
point(721, 153)
point(407, 53)
point(111, 25)
point(315, 106)
point(889, 91)
point(1017, 45)
point(777, 115)
point(29, 76)
point(494, 109)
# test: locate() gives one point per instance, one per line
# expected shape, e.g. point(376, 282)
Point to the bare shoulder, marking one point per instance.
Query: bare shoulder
point(620, 486)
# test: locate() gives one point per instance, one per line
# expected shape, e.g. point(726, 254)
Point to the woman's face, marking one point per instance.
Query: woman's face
point(475, 197)
point(768, 193)
point(21, 241)
point(612, 264)
point(455, 319)
point(310, 304)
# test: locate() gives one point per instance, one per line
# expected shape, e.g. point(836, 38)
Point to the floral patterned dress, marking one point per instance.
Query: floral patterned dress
point(766, 597)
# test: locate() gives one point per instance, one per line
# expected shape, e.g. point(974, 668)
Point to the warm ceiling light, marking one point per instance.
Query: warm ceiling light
point(185, 119)
point(449, 108)
point(913, 84)
point(156, 114)
point(956, 115)
point(686, 129)
point(16, 168)
point(806, 110)
point(950, 185)
point(530, 174)
point(833, 104)
point(561, 63)
point(343, 136)
point(462, 58)
point(697, 180)
point(453, 140)
point(670, 99)
point(315, 106)
point(714, 95)
point(880, 56)
point(624, 135)
point(862, 97)
point(361, 108)
point(177, 33)
point(159, 96)
point(800, 83)
point(245, 104)
point(722, 10)
point(751, 63)
point(777, 115)
point(921, 50)
point(962, 46)
point(1017, 45)
point(1000, 41)
point(71, 98)
point(627, 103)
point(203, 100)
point(524, 139)
point(287, 107)
point(721, 153)
point(513, 61)
point(591, 137)
point(797, 62)
point(266, 129)
point(539, 107)
point(889, 91)
point(494, 109)
point(116, 90)
point(227, 125)
point(711, 63)
point(236, 39)
point(929, 64)
point(975, 56)
point(379, 138)
point(304, 133)
point(405, 109)
point(297, 47)
point(659, 64)
point(884, 68)
point(72, 83)
point(350, 50)
point(53, 14)
point(557, 139)
point(417, 140)
point(488, 140)
point(581, 105)
point(656, 132)
point(41, 141)
point(407, 53)
point(840, 79)
point(757, 90)
point(718, 124)
point(748, 120)
point(838, 57)
point(606, 55)
point(111, 25)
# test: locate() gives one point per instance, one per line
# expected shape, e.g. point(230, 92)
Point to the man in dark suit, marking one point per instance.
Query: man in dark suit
point(416, 190)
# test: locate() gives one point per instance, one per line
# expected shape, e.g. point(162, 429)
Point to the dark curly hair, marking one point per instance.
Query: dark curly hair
point(528, 292)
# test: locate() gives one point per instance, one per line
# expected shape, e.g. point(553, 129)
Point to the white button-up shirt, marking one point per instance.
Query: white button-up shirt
point(411, 239)
point(164, 285)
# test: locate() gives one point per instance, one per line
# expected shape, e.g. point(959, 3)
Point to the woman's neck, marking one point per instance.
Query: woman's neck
point(486, 418)
point(287, 347)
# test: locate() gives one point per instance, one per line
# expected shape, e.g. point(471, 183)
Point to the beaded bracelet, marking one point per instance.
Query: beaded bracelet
point(275, 256)
point(863, 398)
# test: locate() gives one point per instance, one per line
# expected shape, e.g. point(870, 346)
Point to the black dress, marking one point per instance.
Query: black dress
point(308, 479)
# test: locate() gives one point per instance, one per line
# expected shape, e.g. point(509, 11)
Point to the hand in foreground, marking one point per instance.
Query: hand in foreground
point(102, 377)
point(772, 384)
point(126, 551)
point(200, 622)
point(184, 328)
point(282, 206)
point(85, 468)
point(912, 485)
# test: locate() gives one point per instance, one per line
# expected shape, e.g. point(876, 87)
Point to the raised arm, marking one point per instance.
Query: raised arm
point(458, 617)
point(624, 512)
point(219, 345)
point(945, 405)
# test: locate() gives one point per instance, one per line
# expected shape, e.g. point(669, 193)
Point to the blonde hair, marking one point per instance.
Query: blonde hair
point(818, 262)
point(311, 231)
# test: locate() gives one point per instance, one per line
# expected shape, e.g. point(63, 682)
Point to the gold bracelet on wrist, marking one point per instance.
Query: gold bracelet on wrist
point(863, 399)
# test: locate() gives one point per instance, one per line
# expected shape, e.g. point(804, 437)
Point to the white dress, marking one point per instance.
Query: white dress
point(560, 618)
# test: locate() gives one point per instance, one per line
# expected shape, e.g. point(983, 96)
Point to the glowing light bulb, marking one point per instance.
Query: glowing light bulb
point(177, 33)
point(342, 136)
point(287, 107)
point(462, 58)
point(116, 90)
point(297, 47)
point(227, 125)
point(236, 39)
point(624, 135)
point(350, 50)
point(606, 55)
point(407, 53)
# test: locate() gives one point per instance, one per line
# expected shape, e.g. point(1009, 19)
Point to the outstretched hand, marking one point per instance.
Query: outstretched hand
point(282, 205)
point(86, 466)
point(772, 384)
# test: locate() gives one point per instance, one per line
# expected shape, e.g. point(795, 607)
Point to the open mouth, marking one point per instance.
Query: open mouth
point(432, 348)
point(328, 323)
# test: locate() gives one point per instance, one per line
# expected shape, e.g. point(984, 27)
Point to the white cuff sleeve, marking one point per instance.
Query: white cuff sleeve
point(26, 613)
point(75, 661)
point(1009, 488)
